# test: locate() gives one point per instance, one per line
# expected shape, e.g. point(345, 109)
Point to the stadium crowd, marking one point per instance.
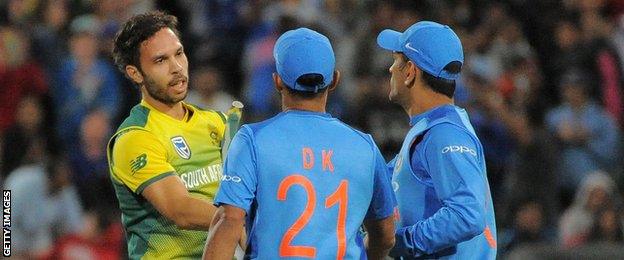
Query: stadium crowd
point(543, 83)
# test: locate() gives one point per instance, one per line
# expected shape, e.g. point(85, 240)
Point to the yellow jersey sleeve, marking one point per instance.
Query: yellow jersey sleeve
point(139, 159)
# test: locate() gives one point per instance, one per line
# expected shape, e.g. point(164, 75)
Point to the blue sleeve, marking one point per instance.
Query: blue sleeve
point(451, 157)
point(238, 184)
point(383, 202)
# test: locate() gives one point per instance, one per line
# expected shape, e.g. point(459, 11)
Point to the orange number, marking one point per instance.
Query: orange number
point(341, 197)
point(285, 249)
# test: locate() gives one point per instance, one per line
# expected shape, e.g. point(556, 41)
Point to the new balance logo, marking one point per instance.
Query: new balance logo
point(138, 163)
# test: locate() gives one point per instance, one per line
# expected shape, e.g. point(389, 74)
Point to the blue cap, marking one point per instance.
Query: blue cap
point(430, 45)
point(304, 51)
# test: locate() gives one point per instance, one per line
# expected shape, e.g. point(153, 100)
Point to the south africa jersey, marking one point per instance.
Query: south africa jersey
point(307, 181)
point(150, 145)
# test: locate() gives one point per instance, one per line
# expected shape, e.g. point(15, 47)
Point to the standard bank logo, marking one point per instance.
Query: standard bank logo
point(181, 147)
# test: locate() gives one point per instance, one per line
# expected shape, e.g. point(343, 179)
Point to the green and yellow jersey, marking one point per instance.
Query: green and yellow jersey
point(150, 145)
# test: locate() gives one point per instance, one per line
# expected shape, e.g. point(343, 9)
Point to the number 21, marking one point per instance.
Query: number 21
point(339, 196)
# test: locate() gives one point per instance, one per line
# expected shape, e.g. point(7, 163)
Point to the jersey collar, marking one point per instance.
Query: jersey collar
point(432, 114)
point(188, 108)
point(306, 112)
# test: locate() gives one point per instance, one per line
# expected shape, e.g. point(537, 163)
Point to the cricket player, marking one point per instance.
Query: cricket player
point(440, 180)
point(303, 181)
point(165, 158)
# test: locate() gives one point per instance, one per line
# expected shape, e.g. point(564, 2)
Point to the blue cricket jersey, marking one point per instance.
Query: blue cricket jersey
point(440, 182)
point(307, 181)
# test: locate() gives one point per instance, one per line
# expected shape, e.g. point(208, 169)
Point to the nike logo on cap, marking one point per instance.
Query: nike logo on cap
point(409, 46)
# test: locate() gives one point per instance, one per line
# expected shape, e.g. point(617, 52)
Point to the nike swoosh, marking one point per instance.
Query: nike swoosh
point(409, 46)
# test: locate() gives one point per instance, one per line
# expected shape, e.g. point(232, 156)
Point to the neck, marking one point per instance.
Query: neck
point(306, 107)
point(175, 110)
point(314, 105)
point(423, 103)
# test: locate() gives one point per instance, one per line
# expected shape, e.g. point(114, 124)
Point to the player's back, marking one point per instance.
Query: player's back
point(315, 185)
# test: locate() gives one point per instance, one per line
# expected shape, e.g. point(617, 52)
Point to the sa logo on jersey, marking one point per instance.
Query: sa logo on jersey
point(181, 147)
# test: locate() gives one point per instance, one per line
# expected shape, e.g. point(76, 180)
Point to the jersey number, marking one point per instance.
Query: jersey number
point(338, 197)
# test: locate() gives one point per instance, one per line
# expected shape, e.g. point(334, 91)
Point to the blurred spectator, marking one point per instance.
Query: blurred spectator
point(369, 108)
point(99, 239)
point(19, 74)
point(21, 12)
point(48, 36)
point(529, 171)
point(491, 129)
point(89, 161)
point(529, 227)
point(588, 137)
point(606, 63)
point(23, 143)
point(607, 227)
point(87, 86)
point(45, 206)
point(597, 193)
point(584, 43)
point(207, 90)
point(259, 64)
point(85, 83)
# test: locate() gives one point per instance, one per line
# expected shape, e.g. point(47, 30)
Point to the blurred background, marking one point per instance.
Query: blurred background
point(543, 83)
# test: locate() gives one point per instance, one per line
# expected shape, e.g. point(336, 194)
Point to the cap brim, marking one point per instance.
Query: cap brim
point(389, 40)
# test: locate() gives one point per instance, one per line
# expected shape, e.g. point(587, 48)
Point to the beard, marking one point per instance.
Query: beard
point(160, 92)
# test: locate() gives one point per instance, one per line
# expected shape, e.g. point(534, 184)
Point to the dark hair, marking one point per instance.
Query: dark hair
point(135, 31)
point(441, 85)
point(311, 80)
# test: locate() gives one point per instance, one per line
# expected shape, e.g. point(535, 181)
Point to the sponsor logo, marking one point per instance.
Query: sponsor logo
point(231, 178)
point(201, 176)
point(458, 149)
point(181, 147)
point(409, 46)
point(138, 163)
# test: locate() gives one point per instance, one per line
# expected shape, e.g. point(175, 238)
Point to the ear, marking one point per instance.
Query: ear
point(134, 73)
point(277, 82)
point(334, 84)
point(412, 73)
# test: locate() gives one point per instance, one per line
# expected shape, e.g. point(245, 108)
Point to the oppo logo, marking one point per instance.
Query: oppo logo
point(231, 178)
point(458, 149)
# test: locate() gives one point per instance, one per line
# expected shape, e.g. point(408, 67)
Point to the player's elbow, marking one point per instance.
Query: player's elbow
point(387, 242)
point(233, 217)
point(475, 222)
point(476, 228)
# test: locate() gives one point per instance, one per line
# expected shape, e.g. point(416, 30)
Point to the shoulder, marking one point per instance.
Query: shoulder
point(214, 116)
point(357, 133)
point(255, 128)
point(137, 118)
point(136, 138)
point(449, 135)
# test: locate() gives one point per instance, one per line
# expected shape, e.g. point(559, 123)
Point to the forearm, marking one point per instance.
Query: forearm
point(446, 228)
point(225, 236)
point(194, 213)
point(380, 237)
point(376, 249)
